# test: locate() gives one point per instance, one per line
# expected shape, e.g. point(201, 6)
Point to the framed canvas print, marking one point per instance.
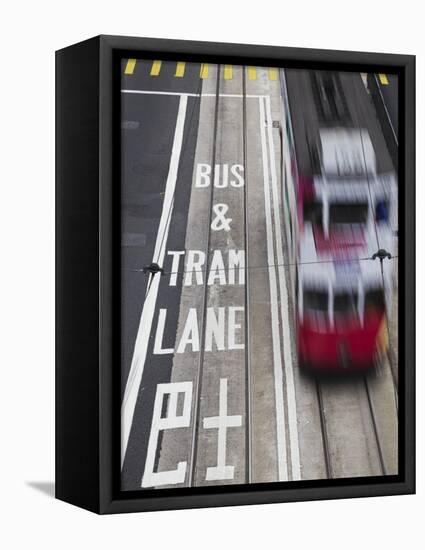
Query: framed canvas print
point(235, 274)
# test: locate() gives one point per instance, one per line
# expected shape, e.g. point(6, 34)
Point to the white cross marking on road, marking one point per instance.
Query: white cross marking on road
point(222, 422)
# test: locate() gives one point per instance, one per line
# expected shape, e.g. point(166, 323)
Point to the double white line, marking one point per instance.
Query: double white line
point(278, 289)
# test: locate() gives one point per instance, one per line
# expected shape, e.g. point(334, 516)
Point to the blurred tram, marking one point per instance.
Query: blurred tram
point(340, 192)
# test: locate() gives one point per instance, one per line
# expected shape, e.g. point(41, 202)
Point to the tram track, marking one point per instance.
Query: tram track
point(206, 289)
point(373, 414)
point(375, 427)
point(276, 438)
point(330, 414)
point(198, 383)
point(248, 390)
point(326, 451)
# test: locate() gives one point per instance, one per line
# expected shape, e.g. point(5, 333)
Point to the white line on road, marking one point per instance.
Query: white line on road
point(277, 357)
point(287, 355)
point(142, 341)
point(188, 94)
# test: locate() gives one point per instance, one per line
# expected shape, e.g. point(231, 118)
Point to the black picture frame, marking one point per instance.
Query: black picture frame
point(87, 277)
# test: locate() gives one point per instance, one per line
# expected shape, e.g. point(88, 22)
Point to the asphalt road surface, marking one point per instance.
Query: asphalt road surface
point(211, 390)
point(388, 85)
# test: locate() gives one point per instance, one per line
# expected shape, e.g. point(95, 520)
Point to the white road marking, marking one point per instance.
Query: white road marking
point(169, 422)
point(157, 348)
point(136, 370)
point(188, 94)
point(175, 265)
point(222, 422)
point(255, 96)
point(146, 318)
point(277, 358)
point(290, 386)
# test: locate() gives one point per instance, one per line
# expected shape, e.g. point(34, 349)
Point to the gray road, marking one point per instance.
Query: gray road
point(148, 132)
point(212, 393)
point(389, 89)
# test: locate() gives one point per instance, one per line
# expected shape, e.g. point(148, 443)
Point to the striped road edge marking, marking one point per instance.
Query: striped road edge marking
point(252, 73)
point(273, 73)
point(203, 73)
point(180, 67)
point(146, 318)
point(228, 72)
point(130, 66)
point(156, 67)
point(383, 79)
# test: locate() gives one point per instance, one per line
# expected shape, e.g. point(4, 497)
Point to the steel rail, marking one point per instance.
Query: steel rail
point(198, 385)
point(248, 387)
point(325, 436)
point(375, 428)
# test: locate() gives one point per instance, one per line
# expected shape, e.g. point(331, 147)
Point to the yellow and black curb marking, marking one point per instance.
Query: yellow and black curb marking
point(155, 70)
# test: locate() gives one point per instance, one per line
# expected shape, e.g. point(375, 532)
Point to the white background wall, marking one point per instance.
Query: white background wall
point(30, 33)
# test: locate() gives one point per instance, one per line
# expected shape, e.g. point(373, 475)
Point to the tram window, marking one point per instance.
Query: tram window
point(375, 299)
point(345, 303)
point(316, 300)
point(348, 213)
point(313, 212)
point(316, 309)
